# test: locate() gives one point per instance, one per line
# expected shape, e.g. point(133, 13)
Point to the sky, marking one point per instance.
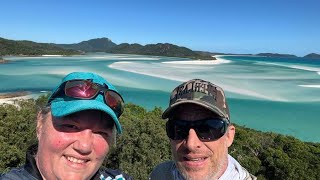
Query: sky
point(226, 26)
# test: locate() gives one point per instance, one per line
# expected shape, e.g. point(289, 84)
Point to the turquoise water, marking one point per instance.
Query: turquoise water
point(268, 94)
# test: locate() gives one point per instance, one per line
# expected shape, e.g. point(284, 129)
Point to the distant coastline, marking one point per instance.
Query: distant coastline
point(30, 48)
point(13, 94)
point(2, 61)
point(12, 97)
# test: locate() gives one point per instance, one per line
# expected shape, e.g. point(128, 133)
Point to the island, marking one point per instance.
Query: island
point(312, 56)
point(30, 48)
point(277, 55)
point(159, 49)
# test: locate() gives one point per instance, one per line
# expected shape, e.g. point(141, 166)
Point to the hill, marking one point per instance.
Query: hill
point(160, 49)
point(312, 56)
point(11, 47)
point(92, 45)
point(217, 53)
point(277, 55)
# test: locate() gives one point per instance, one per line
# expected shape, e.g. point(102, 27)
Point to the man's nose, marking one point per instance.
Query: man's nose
point(192, 141)
point(84, 142)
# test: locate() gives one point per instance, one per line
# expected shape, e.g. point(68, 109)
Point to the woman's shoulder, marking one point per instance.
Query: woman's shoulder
point(17, 173)
point(115, 174)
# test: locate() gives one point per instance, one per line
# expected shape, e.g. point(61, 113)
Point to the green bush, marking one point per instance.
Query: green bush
point(144, 144)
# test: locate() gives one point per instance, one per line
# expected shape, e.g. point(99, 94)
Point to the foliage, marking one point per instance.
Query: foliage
point(11, 47)
point(144, 144)
point(92, 45)
point(277, 55)
point(17, 130)
point(160, 49)
point(312, 56)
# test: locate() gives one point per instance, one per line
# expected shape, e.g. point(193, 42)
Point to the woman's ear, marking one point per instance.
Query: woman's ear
point(39, 125)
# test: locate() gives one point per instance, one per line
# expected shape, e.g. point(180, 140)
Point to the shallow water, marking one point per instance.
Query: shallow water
point(268, 94)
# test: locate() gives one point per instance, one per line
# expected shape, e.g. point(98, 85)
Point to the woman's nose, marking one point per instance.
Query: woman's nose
point(84, 141)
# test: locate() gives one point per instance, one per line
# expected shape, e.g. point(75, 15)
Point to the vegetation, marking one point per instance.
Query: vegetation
point(92, 45)
point(277, 55)
point(10, 47)
point(159, 49)
point(144, 144)
point(312, 56)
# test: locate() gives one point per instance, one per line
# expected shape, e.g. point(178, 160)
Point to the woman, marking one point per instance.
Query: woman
point(75, 131)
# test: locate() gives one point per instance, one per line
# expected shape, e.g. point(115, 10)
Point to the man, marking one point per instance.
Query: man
point(200, 133)
point(75, 131)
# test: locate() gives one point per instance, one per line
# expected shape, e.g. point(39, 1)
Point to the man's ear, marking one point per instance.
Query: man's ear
point(230, 134)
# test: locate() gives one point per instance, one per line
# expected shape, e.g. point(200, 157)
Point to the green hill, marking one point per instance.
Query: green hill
point(11, 47)
point(92, 45)
point(277, 55)
point(160, 49)
point(312, 56)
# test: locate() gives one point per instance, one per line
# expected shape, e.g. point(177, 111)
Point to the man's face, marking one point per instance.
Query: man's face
point(196, 159)
point(73, 147)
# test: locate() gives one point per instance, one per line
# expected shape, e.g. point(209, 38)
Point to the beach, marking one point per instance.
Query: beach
point(10, 98)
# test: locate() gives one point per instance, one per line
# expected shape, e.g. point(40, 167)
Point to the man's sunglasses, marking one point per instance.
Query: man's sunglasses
point(207, 130)
point(86, 89)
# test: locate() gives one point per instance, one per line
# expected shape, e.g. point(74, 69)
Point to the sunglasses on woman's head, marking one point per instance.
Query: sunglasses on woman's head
point(206, 130)
point(86, 89)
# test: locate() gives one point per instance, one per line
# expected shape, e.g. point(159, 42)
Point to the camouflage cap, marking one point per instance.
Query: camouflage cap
point(202, 93)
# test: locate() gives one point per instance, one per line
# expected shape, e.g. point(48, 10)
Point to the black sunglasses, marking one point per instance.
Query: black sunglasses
point(207, 130)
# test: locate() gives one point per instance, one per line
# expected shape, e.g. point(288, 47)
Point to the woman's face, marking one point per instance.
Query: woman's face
point(73, 147)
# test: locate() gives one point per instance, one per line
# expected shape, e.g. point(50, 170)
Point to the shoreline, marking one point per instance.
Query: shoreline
point(11, 97)
point(129, 68)
point(13, 94)
point(218, 60)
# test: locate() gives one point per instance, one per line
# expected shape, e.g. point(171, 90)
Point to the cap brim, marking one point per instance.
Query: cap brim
point(168, 112)
point(64, 108)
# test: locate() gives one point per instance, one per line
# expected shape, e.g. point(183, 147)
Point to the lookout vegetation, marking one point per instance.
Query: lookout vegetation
point(144, 144)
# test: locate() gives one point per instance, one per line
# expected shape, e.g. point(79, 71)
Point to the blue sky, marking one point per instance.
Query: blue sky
point(238, 26)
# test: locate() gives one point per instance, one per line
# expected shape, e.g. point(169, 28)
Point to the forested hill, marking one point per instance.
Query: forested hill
point(312, 56)
point(277, 55)
point(92, 45)
point(11, 47)
point(160, 49)
point(309, 56)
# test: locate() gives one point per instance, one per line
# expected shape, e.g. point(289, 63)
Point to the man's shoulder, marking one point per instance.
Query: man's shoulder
point(115, 174)
point(17, 173)
point(248, 175)
point(162, 171)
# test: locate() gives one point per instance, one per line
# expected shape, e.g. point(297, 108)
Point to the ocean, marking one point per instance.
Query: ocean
point(281, 95)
